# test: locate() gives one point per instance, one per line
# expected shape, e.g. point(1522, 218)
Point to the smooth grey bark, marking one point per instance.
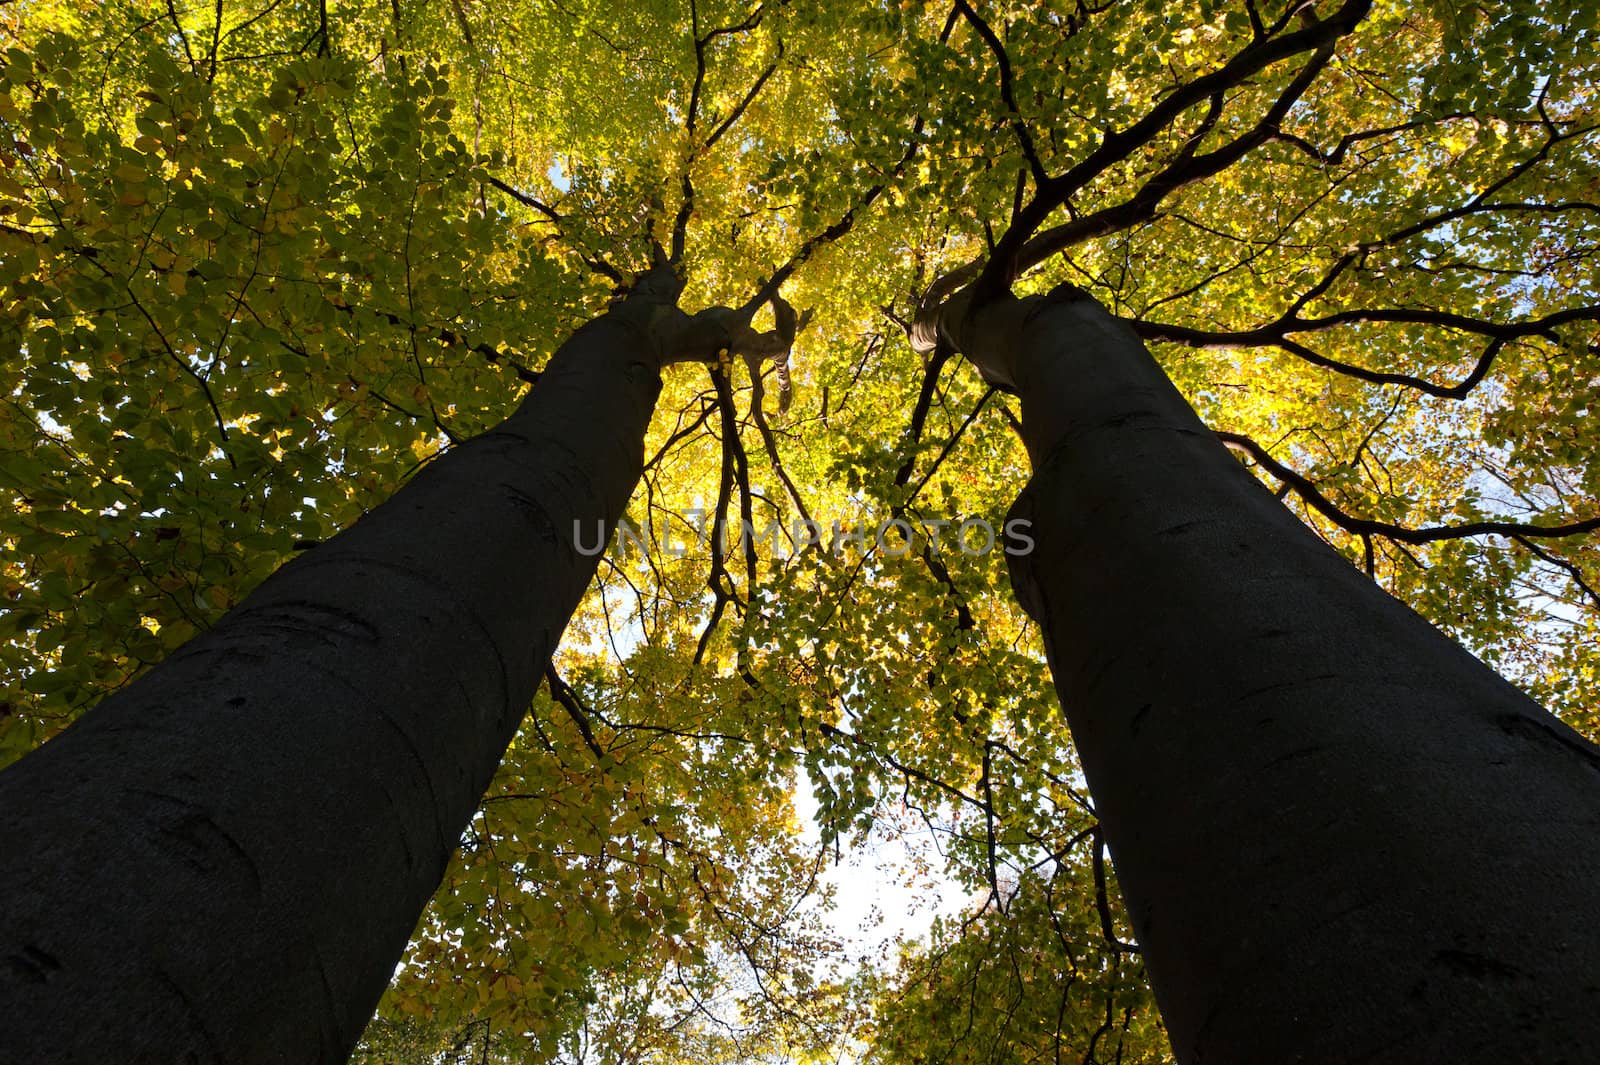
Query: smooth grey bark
point(1340, 837)
point(224, 862)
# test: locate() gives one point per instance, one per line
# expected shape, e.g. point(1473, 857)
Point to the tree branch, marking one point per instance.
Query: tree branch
point(1314, 498)
point(1002, 266)
point(1007, 93)
point(568, 701)
point(1187, 169)
point(1277, 334)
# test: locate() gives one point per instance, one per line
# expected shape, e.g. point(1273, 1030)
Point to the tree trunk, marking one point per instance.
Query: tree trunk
point(1340, 837)
point(224, 862)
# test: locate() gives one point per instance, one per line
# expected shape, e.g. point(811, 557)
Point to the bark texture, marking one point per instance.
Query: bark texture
point(1341, 838)
point(224, 862)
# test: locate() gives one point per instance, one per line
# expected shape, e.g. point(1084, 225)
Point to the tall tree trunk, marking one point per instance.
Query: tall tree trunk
point(1340, 837)
point(223, 862)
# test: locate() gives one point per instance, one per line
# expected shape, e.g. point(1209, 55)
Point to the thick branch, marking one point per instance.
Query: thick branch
point(1187, 169)
point(1307, 490)
point(1003, 264)
point(1277, 334)
point(1007, 93)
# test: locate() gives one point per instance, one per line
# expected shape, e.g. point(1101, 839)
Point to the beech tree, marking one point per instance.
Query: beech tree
point(263, 265)
point(1309, 803)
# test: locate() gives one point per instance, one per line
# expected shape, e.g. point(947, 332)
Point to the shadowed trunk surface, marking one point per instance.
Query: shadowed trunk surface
point(224, 862)
point(1341, 838)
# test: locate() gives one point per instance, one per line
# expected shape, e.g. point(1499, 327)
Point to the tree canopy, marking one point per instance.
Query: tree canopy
point(260, 262)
